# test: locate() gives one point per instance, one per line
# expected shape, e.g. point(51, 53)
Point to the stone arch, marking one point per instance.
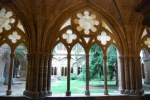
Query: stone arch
point(21, 56)
point(119, 34)
point(23, 62)
point(92, 40)
point(77, 57)
point(22, 18)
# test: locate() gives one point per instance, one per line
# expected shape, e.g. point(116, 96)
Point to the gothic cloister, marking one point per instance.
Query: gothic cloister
point(39, 40)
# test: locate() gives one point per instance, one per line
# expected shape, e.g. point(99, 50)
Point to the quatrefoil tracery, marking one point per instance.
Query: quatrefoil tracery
point(103, 38)
point(14, 37)
point(69, 36)
point(86, 22)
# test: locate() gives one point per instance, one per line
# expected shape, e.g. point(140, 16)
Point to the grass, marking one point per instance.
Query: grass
point(78, 87)
point(60, 87)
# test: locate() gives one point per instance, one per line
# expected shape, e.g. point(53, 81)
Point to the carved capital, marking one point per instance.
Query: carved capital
point(69, 56)
point(130, 58)
point(136, 58)
point(46, 56)
point(105, 57)
point(12, 55)
point(126, 58)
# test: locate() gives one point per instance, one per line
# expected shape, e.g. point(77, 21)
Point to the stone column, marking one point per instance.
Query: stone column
point(36, 86)
point(8, 92)
point(45, 74)
point(41, 69)
point(121, 72)
point(138, 77)
point(49, 75)
point(105, 75)
point(87, 92)
point(28, 79)
point(127, 74)
point(68, 93)
point(36, 60)
point(132, 74)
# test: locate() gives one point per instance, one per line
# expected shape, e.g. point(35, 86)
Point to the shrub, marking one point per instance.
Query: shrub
point(73, 76)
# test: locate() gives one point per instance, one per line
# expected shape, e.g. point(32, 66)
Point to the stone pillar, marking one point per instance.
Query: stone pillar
point(36, 60)
point(8, 92)
point(41, 69)
point(138, 76)
point(49, 75)
point(68, 93)
point(105, 75)
point(127, 74)
point(28, 79)
point(87, 92)
point(45, 74)
point(132, 74)
point(36, 86)
point(122, 74)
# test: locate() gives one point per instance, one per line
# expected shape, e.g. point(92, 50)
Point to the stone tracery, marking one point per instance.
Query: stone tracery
point(6, 19)
point(86, 22)
point(14, 37)
point(103, 38)
point(69, 36)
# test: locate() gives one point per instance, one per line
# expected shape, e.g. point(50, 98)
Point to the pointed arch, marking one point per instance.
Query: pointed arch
point(117, 30)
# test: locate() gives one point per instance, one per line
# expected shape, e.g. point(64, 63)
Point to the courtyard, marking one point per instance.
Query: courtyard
point(59, 87)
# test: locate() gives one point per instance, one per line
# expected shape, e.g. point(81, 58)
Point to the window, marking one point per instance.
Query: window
point(84, 31)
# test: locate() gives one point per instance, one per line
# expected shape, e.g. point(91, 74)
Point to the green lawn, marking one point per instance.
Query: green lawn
point(78, 87)
point(60, 87)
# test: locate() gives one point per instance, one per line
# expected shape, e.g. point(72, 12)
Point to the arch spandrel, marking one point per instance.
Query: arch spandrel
point(99, 13)
point(145, 41)
point(11, 29)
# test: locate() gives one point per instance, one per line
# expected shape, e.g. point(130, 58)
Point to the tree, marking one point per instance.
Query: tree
point(96, 63)
point(112, 62)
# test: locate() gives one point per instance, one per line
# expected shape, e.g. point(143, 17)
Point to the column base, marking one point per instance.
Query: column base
point(41, 93)
point(139, 92)
point(35, 95)
point(45, 93)
point(122, 91)
point(49, 93)
point(8, 92)
point(25, 92)
point(87, 92)
point(105, 92)
point(68, 93)
point(29, 94)
point(127, 91)
point(132, 92)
